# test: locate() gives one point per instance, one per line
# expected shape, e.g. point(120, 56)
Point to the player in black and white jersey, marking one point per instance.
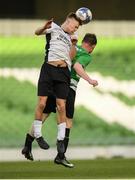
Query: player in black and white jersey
point(54, 77)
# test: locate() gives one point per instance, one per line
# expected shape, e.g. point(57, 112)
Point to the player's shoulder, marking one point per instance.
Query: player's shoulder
point(81, 51)
point(54, 25)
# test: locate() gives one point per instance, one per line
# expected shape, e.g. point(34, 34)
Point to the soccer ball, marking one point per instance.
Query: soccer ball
point(84, 14)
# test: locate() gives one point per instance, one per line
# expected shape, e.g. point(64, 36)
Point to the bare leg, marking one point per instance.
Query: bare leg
point(40, 107)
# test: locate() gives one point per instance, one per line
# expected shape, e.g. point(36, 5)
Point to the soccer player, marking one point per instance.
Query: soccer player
point(54, 76)
point(81, 60)
point(79, 63)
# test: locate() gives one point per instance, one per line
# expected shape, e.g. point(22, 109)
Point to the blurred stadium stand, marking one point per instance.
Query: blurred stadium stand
point(40, 9)
point(10, 27)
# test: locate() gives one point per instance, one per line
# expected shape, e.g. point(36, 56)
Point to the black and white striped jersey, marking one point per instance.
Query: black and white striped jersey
point(58, 44)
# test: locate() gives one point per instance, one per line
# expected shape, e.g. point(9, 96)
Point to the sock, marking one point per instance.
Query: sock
point(61, 131)
point(31, 131)
point(37, 128)
point(28, 141)
point(66, 139)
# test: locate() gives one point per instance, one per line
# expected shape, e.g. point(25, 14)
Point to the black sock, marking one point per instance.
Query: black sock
point(28, 141)
point(66, 141)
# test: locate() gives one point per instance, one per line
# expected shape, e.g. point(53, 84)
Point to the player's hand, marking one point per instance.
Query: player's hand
point(48, 24)
point(74, 39)
point(93, 82)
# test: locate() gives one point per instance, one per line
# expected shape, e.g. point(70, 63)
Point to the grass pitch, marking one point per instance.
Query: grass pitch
point(84, 169)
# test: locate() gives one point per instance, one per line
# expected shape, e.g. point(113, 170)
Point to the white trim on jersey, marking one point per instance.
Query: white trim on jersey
point(73, 84)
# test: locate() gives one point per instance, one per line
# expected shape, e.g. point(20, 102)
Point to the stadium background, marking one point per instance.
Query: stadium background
point(105, 116)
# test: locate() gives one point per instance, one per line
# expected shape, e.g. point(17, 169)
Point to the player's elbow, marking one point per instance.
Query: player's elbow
point(77, 66)
point(37, 33)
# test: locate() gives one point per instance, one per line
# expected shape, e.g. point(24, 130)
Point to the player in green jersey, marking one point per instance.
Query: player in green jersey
point(80, 61)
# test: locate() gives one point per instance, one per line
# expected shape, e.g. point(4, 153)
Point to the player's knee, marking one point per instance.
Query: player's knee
point(61, 108)
point(69, 123)
point(69, 126)
point(41, 105)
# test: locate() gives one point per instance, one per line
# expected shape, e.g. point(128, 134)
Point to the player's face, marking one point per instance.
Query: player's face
point(91, 48)
point(72, 25)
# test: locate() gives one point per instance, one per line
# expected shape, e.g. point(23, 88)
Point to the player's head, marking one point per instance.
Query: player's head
point(89, 42)
point(72, 23)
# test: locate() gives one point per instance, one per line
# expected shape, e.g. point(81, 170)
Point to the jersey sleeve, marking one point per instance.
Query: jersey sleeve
point(84, 60)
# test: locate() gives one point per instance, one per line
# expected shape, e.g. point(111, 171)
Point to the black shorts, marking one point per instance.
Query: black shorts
point(70, 103)
point(54, 80)
point(51, 104)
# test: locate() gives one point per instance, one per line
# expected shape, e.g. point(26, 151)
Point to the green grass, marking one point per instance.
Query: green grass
point(17, 107)
point(130, 101)
point(97, 131)
point(84, 169)
point(18, 100)
point(112, 56)
point(21, 51)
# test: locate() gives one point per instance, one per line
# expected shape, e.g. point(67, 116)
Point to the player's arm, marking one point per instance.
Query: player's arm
point(81, 72)
point(72, 52)
point(74, 40)
point(42, 30)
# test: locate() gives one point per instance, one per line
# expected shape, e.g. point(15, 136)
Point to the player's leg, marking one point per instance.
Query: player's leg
point(70, 108)
point(67, 133)
point(27, 150)
point(36, 133)
point(60, 158)
point(44, 118)
point(61, 125)
point(50, 107)
point(44, 89)
point(37, 124)
point(61, 90)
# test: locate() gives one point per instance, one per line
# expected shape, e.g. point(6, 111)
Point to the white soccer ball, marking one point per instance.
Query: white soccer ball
point(84, 14)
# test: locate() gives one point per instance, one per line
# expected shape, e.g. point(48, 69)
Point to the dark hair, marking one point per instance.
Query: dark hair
point(90, 38)
point(73, 15)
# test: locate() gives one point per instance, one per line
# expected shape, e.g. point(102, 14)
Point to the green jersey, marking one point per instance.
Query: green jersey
point(82, 57)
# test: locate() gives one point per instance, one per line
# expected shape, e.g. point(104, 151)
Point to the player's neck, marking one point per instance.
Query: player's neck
point(64, 27)
point(84, 46)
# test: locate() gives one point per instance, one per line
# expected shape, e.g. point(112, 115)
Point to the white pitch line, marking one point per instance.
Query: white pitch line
point(105, 106)
point(110, 84)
